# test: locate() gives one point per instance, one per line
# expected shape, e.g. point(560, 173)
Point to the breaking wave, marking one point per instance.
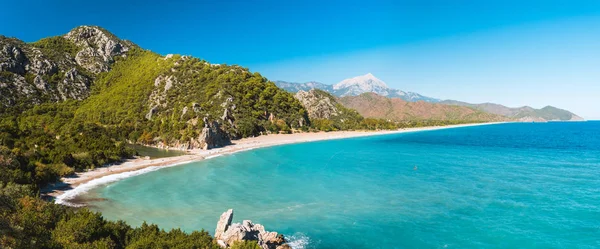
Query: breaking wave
point(70, 194)
point(298, 241)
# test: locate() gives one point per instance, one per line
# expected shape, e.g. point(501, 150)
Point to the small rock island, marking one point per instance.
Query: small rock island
point(227, 233)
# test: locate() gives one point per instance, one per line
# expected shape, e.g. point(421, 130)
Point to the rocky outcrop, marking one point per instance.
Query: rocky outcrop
point(223, 224)
point(212, 136)
point(12, 59)
point(162, 84)
point(56, 68)
point(74, 85)
point(98, 47)
point(228, 108)
point(318, 104)
point(227, 233)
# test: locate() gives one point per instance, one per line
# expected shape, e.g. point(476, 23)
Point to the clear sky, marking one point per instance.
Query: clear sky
point(514, 53)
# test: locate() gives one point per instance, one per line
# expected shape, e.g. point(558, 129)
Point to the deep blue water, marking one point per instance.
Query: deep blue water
point(522, 185)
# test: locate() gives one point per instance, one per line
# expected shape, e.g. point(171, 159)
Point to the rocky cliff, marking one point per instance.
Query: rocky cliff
point(326, 111)
point(228, 233)
point(56, 68)
point(318, 103)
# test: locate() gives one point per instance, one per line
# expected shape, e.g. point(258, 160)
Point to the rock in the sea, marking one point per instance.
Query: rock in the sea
point(227, 233)
point(224, 223)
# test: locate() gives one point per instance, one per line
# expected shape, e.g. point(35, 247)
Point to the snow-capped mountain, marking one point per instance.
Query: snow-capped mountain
point(361, 84)
point(356, 86)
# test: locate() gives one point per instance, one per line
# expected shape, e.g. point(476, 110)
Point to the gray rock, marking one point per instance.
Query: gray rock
point(223, 224)
point(227, 234)
point(183, 112)
point(40, 83)
point(41, 66)
point(212, 136)
point(196, 107)
point(74, 86)
point(12, 59)
point(99, 47)
point(317, 104)
point(151, 112)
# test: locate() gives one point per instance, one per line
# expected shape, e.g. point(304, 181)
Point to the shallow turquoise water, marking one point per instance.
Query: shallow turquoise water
point(154, 153)
point(498, 186)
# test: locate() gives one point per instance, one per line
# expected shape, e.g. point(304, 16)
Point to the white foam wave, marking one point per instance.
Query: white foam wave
point(70, 194)
point(298, 241)
point(213, 156)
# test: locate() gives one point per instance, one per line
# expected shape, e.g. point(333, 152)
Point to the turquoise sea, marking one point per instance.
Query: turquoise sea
point(521, 185)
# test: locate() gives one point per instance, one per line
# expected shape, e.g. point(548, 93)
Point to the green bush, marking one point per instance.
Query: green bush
point(245, 245)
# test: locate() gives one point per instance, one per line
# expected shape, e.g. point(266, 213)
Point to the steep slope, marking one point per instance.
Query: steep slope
point(376, 106)
point(356, 86)
point(73, 102)
point(56, 68)
point(326, 113)
point(524, 113)
point(171, 99)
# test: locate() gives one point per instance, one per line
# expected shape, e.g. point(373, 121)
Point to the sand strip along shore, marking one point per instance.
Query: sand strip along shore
point(81, 182)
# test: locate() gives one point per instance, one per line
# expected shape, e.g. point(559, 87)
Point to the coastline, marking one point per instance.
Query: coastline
point(71, 187)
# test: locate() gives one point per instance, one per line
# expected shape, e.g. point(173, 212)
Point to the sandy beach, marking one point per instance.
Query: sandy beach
point(72, 186)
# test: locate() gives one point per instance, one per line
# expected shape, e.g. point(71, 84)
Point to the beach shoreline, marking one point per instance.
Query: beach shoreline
point(71, 187)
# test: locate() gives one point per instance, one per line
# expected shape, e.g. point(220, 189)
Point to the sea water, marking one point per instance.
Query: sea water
point(517, 185)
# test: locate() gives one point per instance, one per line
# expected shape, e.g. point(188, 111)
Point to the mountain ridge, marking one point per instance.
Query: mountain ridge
point(523, 113)
point(368, 83)
point(355, 86)
point(56, 68)
point(372, 105)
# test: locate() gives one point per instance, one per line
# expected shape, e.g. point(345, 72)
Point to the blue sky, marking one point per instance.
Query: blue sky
point(515, 53)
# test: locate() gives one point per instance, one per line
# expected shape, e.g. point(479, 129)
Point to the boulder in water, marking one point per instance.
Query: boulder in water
point(227, 233)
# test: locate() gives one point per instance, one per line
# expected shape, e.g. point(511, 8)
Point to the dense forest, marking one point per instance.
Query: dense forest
point(71, 103)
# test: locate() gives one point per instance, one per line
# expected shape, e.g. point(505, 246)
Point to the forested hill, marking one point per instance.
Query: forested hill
point(73, 102)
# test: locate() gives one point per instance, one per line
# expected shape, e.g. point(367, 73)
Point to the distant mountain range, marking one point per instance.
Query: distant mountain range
point(372, 105)
point(368, 83)
point(356, 86)
point(525, 113)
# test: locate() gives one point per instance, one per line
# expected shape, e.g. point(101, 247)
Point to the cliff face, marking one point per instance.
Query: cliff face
point(326, 112)
point(318, 104)
point(56, 68)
